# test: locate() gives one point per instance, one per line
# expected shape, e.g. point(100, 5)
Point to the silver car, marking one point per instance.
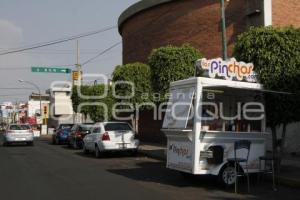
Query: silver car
point(18, 133)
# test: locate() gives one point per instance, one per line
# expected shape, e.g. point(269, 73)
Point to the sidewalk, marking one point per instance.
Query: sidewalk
point(157, 151)
point(290, 166)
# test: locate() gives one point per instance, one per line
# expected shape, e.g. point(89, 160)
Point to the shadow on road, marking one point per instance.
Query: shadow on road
point(141, 169)
point(16, 145)
point(106, 155)
point(157, 173)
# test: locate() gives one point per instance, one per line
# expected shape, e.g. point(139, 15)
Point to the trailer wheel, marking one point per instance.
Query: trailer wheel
point(227, 175)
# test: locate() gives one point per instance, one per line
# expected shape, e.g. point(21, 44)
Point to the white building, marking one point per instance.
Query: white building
point(61, 109)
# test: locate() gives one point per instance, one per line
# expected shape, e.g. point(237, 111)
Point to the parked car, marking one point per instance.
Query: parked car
point(110, 136)
point(18, 133)
point(61, 134)
point(78, 132)
point(2, 128)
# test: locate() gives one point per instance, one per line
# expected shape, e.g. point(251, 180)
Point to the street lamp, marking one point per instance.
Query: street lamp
point(37, 87)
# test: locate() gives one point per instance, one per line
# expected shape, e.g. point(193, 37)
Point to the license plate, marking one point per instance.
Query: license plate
point(122, 145)
point(20, 139)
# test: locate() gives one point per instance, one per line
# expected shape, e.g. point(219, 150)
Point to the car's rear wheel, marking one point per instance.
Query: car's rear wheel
point(53, 141)
point(75, 146)
point(85, 151)
point(30, 144)
point(98, 153)
point(134, 152)
point(5, 144)
point(57, 141)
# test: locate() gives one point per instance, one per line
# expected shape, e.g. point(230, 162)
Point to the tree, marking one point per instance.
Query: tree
point(99, 109)
point(77, 100)
point(139, 75)
point(171, 63)
point(102, 111)
point(275, 53)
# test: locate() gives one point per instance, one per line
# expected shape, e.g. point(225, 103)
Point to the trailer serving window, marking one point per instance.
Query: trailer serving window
point(231, 109)
point(180, 113)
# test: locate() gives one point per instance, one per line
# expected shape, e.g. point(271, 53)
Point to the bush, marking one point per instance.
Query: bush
point(96, 112)
point(140, 75)
point(172, 63)
point(275, 53)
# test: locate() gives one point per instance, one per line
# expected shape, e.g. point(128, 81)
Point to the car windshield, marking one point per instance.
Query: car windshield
point(65, 126)
point(117, 126)
point(19, 127)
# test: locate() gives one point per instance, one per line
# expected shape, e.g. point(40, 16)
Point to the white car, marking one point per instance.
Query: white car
point(18, 133)
point(110, 136)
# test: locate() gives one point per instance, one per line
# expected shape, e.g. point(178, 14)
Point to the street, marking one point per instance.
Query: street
point(46, 171)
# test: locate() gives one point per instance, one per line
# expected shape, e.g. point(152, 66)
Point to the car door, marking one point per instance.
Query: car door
point(89, 139)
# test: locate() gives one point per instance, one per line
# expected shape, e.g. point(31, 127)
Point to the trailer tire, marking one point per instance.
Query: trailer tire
point(227, 175)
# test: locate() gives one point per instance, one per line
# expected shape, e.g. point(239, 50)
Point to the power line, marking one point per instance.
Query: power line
point(56, 53)
point(15, 68)
point(15, 88)
point(101, 53)
point(53, 42)
point(59, 50)
point(11, 95)
point(28, 68)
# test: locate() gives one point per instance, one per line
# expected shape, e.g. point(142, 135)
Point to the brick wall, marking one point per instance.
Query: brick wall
point(189, 21)
point(196, 22)
point(286, 12)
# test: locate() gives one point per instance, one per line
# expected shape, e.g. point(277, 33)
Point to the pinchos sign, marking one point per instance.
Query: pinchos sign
point(229, 69)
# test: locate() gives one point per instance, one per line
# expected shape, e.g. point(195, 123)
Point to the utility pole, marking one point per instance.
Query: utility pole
point(224, 40)
point(78, 66)
point(77, 79)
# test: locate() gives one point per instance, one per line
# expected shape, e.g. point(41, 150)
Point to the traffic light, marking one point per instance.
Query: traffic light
point(45, 110)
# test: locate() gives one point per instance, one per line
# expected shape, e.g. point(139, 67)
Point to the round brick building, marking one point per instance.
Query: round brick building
point(150, 24)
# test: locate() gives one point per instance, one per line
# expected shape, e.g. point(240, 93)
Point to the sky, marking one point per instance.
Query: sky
point(23, 23)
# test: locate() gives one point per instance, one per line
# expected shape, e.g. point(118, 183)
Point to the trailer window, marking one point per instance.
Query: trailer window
point(228, 109)
point(179, 114)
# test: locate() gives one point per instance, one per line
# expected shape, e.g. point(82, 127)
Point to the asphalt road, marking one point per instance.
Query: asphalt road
point(46, 172)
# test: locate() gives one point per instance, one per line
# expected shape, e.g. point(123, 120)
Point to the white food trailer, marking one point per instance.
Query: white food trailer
point(205, 116)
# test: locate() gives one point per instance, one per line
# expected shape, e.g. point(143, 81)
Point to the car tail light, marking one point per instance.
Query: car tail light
point(78, 134)
point(9, 132)
point(105, 137)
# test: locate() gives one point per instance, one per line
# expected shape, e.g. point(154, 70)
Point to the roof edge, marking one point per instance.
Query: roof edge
point(138, 7)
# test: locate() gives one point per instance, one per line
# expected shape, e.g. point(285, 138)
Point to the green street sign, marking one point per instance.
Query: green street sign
point(51, 70)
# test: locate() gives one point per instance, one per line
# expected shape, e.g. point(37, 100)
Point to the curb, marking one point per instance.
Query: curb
point(151, 154)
